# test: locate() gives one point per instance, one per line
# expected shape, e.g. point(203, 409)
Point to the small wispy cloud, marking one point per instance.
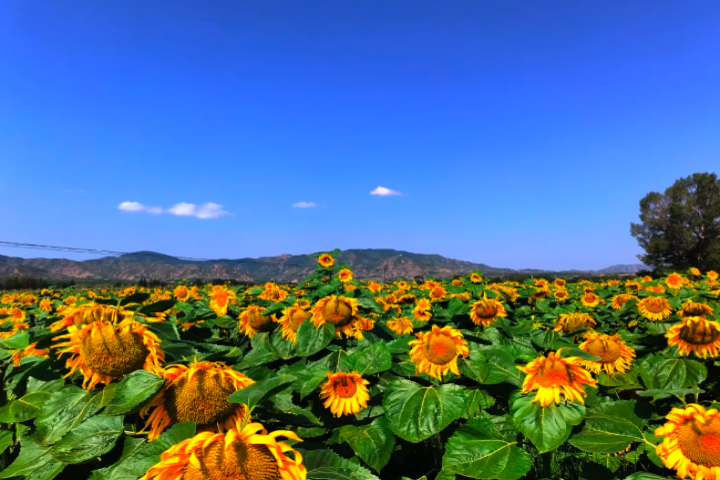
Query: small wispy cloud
point(205, 211)
point(384, 192)
point(304, 205)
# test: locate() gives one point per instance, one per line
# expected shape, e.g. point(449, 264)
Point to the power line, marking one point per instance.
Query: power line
point(35, 246)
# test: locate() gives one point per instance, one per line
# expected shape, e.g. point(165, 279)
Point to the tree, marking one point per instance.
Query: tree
point(681, 227)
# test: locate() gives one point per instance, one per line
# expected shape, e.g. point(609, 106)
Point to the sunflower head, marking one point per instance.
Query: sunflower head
point(326, 260)
point(695, 335)
point(345, 275)
point(291, 320)
point(181, 292)
point(619, 300)
point(401, 325)
point(695, 309)
point(691, 442)
point(590, 299)
point(654, 308)
point(253, 321)
point(615, 355)
point(436, 352)
point(485, 312)
point(555, 378)
point(437, 293)
point(221, 298)
point(345, 393)
point(675, 281)
point(569, 322)
point(561, 295)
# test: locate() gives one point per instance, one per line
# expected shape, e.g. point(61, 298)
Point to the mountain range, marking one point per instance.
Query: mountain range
point(368, 264)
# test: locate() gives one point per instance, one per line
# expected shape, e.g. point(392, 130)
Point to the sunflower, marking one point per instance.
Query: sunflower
point(569, 322)
point(695, 309)
point(423, 310)
point(345, 393)
point(243, 453)
point(253, 321)
point(374, 286)
point(437, 293)
point(436, 352)
point(539, 294)
point(561, 295)
point(103, 352)
point(675, 281)
point(341, 312)
point(713, 275)
point(475, 278)
point(221, 298)
point(291, 320)
point(273, 293)
point(654, 308)
point(326, 260)
point(196, 393)
point(29, 351)
point(510, 293)
point(485, 312)
point(590, 299)
point(695, 271)
point(618, 301)
point(554, 377)
point(615, 355)
point(691, 443)
point(456, 282)
point(401, 326)
point(560, 282)
point(697, 335)
point(46, 305)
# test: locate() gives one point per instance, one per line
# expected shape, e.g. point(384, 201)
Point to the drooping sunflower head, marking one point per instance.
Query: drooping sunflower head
point(197, 393)
point(401, 325)
point(89, 313)
point(540, 293)
point(486, 312)
point(341, 312)
point(221, 298)
point(695, 335)
point(615, 355)
point(102, 351)
point(253, 321)
point(560, 282)
point(569, 322)
point(675, 281)
point(619, 300)
point(654, 308)
point(273, 293)
point(590, 299)
point(691, 443)
point(555, 378)
point(326, 260)
point(248, 453)
point(182, 293)
point(291, 320)
point(695, 309)
point(436, 352)
point(345, 275)
point(345, 393)
point(561, 295)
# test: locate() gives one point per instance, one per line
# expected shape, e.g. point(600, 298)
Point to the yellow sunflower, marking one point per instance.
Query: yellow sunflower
point(345, 393)
point(243, 453)
point(560, 282)
point(485, 312)
point(253, 321)
point(590, 300)
point(273, 293)
point(436, 352)
point(691, 443)
point(561, 295)
point(615, 355)
point(695, 309)
point(695, 271)
point(339, 311)
point(196, 393)
point(437, 294)
point(654, 308)
point(401, 325)
point(345, 275)
point(619, 300)
point(569, 322)
point(675, 281)
point(221, 298)
point(695, 335)
point(423, 310)
point(88, 313)
point(103, 352)
point(475, 278)
point(29, 351)
point(713, 275)
point(326, 260)
point(291, 320)
point(554, 377)
point(46, 305)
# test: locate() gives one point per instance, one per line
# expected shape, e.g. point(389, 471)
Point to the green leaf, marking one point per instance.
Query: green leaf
point(24, 408)
point(139, 454)
point(645, 476)
point(475, 365)
point(671, 373)
point(310, 377)
point(274, 308)
point(133, 392)
point(546, 427)
point(255, 393)
point(663, 393)
point(619, 379)
point(373, 443)
point(476, 401)
point(370, 304)
point(328, 465)
point(550, 339)
point(6, 439)
point(159, 306)
point(609, 428)
point(282, 348)
point(34, 463)
point(373, 359)
point(477, 451)
point(257, 356)
point(64, 410)
point(138, 297)
point(418, 412)
point(91, 439)
point(311, 340)
point(17, 341)
point(501, 363)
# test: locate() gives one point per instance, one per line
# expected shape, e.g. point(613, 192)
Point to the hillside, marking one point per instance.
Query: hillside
point(375, 264)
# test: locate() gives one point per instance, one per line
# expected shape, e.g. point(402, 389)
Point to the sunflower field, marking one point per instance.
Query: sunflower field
point(340, 379)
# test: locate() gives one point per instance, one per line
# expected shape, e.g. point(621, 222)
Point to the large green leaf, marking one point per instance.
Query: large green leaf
point(477, 451)
point(373, 359)
point(373, 443)
point(475, 365)
point(6, 439)
point(24, 408)
point(66, 409)
point(311, 340)
point(327, 465)
point(34, 462)
point(418, 412)
point(501, 363)
point(609, 428)
point(133, 392)
point(91, 439)
point(139, 454)
point(659, 373)
point(546, 427)
point(255, 393)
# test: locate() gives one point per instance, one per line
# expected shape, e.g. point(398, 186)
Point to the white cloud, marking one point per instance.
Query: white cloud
point(384, 192)
point(205, 211)
point(304, 205)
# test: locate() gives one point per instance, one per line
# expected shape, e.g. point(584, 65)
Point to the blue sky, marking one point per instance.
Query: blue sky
point(519, 134)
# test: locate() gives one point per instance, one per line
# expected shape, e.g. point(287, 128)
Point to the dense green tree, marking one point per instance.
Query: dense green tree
point(680, 228)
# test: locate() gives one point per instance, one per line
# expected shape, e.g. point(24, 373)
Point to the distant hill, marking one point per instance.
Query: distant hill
point(370, 264)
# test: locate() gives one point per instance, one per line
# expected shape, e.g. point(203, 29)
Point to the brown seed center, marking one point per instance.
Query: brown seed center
point(607, 350)
point(202, 400)
point(239, 462)
point(108, 352)
point(700, 442)
point(553, 373)
point(337, 312)
point(439, 349)
point(261, 323)
point(699, 333)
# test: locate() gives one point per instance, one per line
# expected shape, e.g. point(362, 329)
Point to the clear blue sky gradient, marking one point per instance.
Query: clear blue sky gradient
point(521, 134)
